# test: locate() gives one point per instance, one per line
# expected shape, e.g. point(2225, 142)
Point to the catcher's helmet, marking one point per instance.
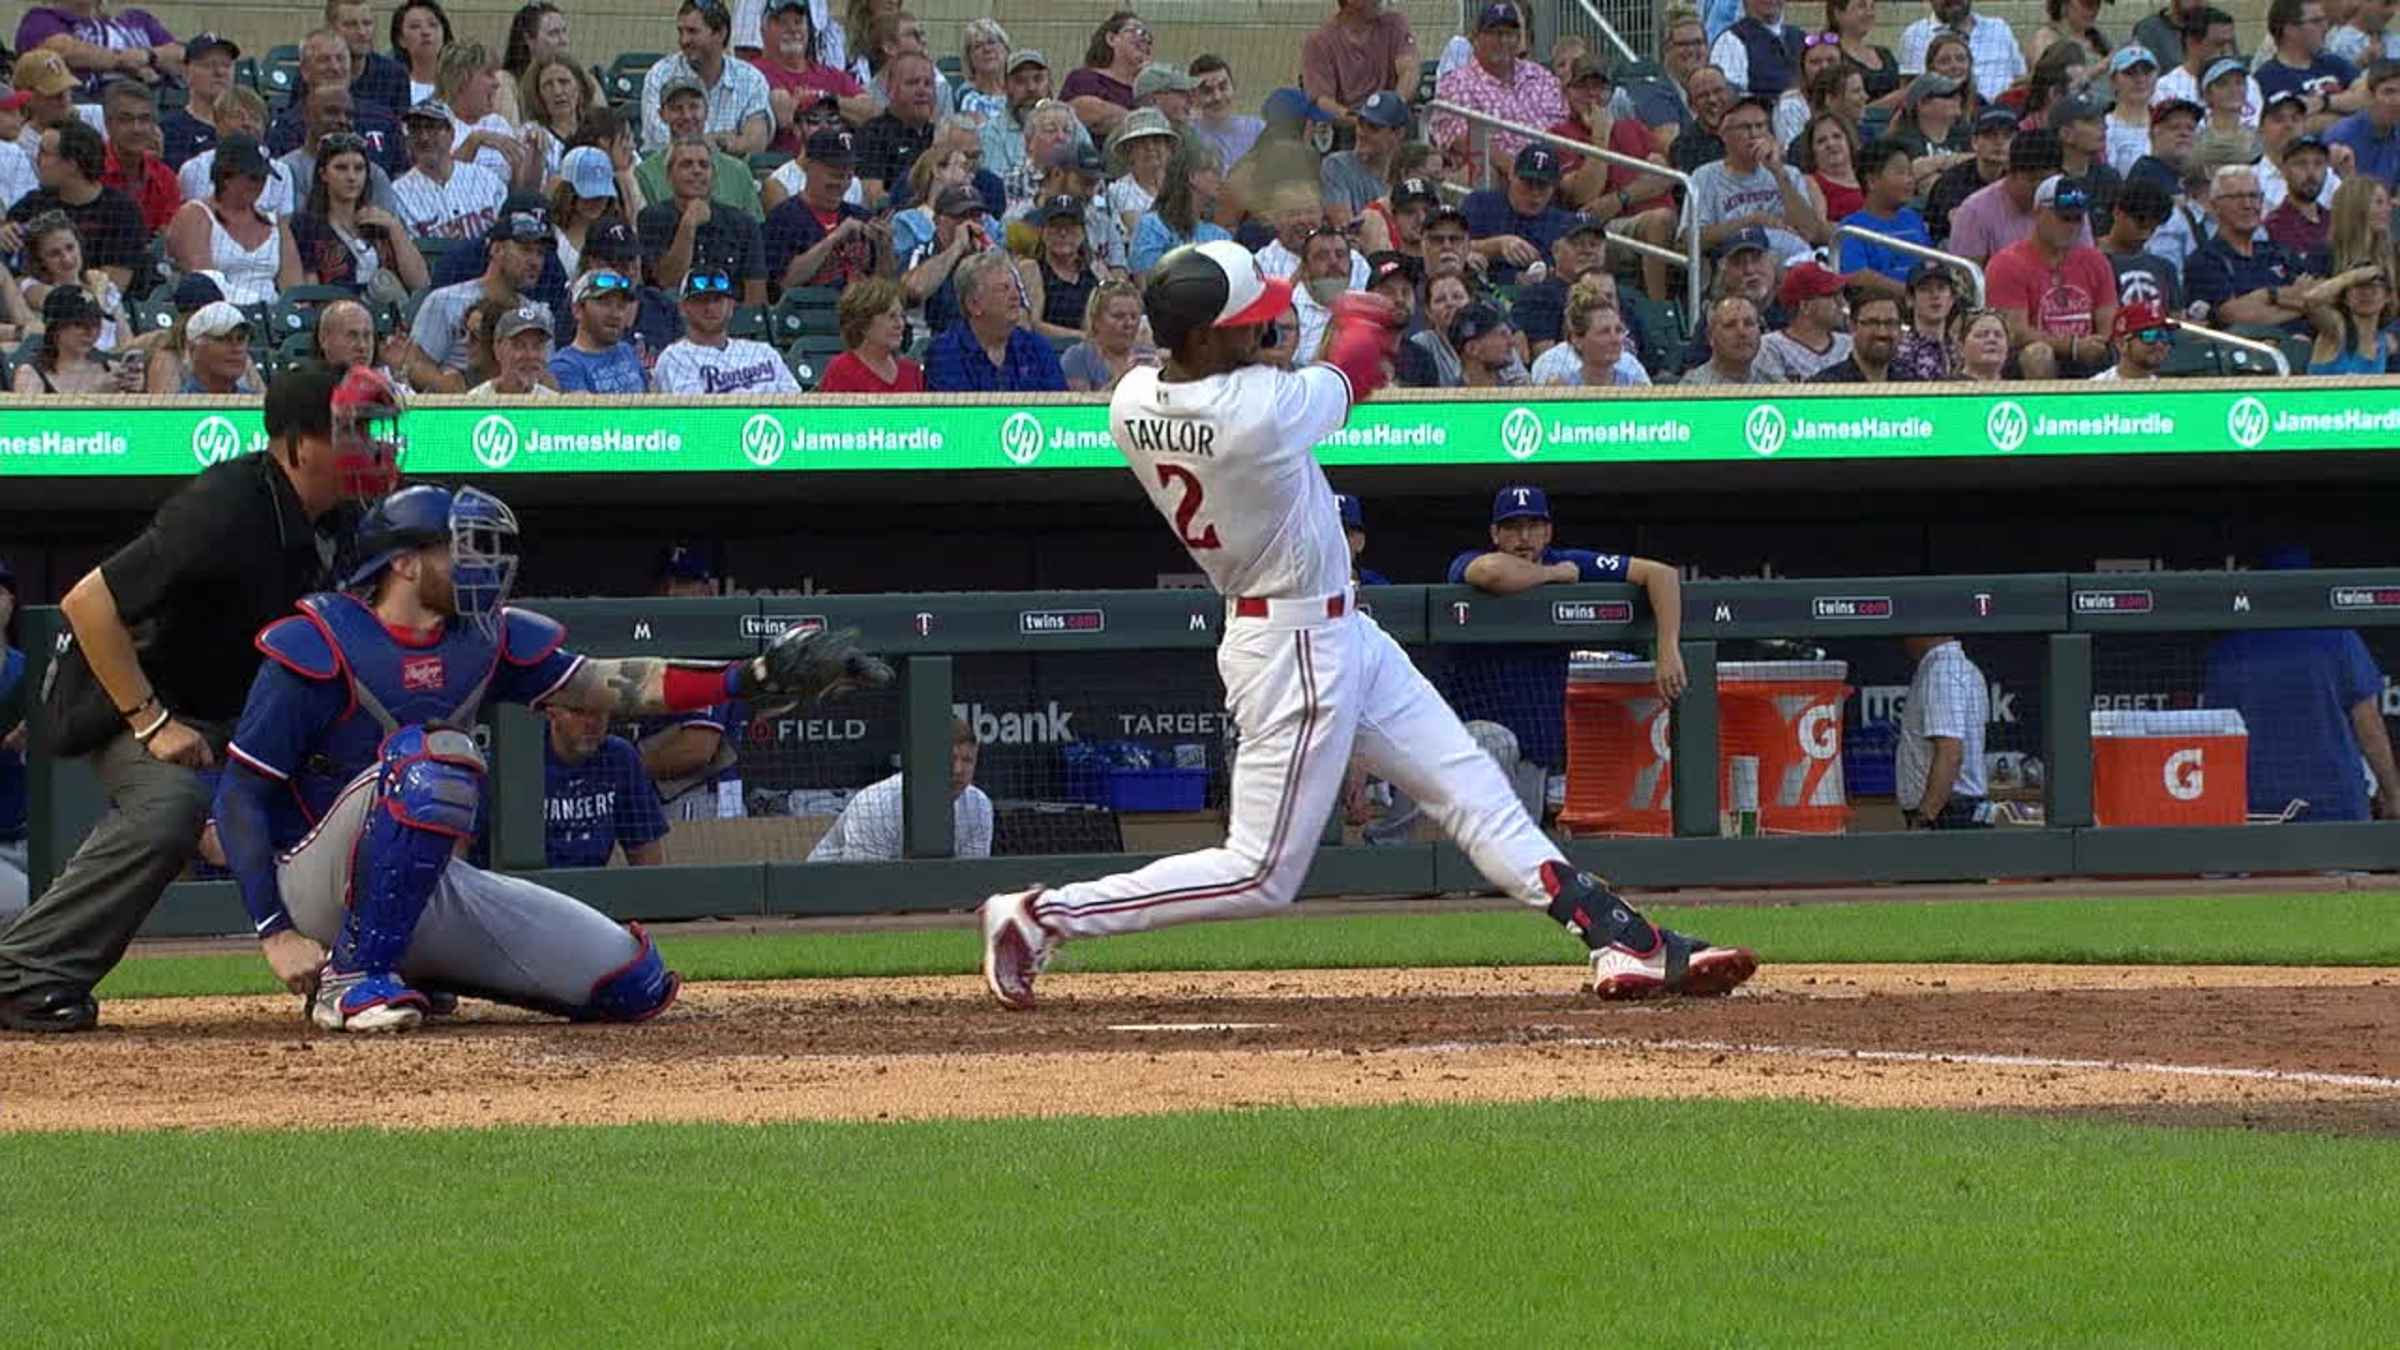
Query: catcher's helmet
point(479, 528)
point(1213, 285)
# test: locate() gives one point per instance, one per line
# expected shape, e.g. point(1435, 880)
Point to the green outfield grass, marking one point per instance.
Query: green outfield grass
point(1704, 1223)
point(2338, 928)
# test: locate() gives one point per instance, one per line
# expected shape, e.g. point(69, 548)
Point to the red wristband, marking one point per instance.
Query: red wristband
point(690, 688)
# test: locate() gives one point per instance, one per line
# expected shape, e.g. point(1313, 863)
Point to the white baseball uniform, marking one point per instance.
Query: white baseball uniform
point(1229, 462)
point(461, 208)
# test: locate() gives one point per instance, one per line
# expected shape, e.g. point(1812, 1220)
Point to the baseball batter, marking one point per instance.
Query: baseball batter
point(1222, 444)
point(354, 779)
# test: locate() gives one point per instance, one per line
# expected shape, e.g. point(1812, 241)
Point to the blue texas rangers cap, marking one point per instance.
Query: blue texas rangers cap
point(1520, 501)
point(1354, 517)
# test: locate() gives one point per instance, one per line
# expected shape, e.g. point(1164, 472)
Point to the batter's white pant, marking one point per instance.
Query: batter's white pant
point(1305, 691)
point(13, 896)
point(484, 932)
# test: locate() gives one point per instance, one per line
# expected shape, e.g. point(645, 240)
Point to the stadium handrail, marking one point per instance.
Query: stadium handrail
point(2273, 353)
point(1913, 249)
point(1608, 30)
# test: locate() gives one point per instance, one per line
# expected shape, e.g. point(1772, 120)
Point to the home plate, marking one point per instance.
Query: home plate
point(1196, 1026)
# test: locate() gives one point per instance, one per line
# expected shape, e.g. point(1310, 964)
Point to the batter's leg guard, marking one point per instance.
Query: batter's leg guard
point(1631, 956)
point(426, 802)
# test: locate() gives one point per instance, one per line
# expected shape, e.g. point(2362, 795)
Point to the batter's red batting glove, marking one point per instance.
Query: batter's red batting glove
point(1361, 340)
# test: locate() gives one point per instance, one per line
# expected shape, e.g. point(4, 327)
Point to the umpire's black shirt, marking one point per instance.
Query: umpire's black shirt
point(224, 557)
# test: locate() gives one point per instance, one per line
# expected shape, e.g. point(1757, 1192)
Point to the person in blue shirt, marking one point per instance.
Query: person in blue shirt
point(693, 757)
point(990, 351)
point(1515, 225)
point(2372, 134)
point(1354, 526)
point(1523, 686)
point(13, 890)
point(2299, 63)
point(1884, 171)
point(595, 797)
point(2312, 701)
point(601, 360)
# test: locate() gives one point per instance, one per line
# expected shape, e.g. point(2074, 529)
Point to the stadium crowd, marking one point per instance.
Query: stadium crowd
point(793, 199)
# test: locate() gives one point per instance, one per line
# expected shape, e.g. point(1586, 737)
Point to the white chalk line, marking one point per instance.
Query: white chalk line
point(2307, 1077)
point(1196, 1026)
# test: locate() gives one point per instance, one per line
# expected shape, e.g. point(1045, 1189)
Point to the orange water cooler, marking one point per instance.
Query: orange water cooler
point(2170, 768)
point(1787, 715)
point(1619, 769)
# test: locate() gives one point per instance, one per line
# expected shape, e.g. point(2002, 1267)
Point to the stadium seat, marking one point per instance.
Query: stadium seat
point(2298, 350)
point(245, 73)
point(952, 68)
point(1428, 74)
point(150, 314)
point(296, 309)
point(279, 74)
point(804, 310)
point(290, 351)
point(2191, 356)
point(622, 81)
point(433, 251)
point(807, 357)
point(2242, 361)
point(766, 162)
point(1662, 329)
point(749, 321)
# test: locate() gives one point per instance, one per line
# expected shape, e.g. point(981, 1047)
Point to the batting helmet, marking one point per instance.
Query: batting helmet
point(1218, 284)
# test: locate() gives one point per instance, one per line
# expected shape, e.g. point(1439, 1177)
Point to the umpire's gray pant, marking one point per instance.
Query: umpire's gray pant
point(78, 930)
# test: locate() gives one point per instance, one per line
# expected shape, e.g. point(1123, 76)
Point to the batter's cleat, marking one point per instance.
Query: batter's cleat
point(1015, 947)
point(362, 1001)
point(1671, 964)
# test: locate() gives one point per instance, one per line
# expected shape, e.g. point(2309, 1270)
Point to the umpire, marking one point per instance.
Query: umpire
point(158, 671)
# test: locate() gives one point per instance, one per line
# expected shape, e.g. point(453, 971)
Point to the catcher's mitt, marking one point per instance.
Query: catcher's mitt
point(807, 664)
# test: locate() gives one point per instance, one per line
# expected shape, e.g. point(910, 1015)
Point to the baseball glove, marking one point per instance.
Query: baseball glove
point(808, 664)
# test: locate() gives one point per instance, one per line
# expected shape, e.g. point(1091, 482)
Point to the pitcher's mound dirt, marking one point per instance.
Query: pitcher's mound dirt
point(2287, 1048)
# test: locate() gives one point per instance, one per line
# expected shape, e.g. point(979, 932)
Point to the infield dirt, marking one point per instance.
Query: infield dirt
point(2238, 1046)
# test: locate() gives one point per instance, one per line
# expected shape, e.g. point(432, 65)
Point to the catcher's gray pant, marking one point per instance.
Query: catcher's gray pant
point(12, 881)
point(481, 932)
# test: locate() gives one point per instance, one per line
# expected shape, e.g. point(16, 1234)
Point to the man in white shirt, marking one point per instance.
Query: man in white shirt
point(1939, 766)
point(1999, 61)
point(705, 360)
point(1297, 211)
point(741, 118)
point(442, 197)
point(868, 830)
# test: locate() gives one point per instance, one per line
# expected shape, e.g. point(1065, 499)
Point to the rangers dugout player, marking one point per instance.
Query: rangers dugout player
point(356, 722)
point(1223, 444)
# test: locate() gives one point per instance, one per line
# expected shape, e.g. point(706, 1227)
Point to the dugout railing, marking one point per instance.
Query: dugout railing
point(925, 634)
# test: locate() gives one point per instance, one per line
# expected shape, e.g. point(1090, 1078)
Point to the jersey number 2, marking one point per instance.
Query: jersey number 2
point(1175, 475)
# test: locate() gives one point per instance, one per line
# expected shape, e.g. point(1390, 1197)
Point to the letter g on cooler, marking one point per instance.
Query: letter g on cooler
point(2185, 776)
point(1021, 438)
point(1521, 433)
point(762, 440)
point(494, 441)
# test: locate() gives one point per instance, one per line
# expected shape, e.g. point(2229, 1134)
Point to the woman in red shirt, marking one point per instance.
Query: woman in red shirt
point(872, 326)
point(1830, 158)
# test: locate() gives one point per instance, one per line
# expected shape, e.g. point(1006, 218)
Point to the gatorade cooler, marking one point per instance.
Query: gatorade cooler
point(1619, 770)
point(1789, 715)
point(2170, 768)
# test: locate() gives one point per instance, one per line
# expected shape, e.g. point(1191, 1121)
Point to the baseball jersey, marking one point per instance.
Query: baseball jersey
point(1523, 686)
point(591, 808)
point(738, 366)
point(868, 830)
point(1230, 462)
point(462, 208)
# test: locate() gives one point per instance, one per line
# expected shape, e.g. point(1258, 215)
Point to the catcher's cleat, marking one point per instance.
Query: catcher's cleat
point(1016, 948)
point(360, 1001)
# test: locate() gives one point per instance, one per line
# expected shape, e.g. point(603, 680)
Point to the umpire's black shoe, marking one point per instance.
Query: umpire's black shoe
point(58, 1008)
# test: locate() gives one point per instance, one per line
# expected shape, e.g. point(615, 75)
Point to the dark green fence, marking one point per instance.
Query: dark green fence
point(922, 632)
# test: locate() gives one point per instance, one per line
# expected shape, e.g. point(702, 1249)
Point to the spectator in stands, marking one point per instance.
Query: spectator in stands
point(132, 164)
point(1752, 188)
point(325, 68)
point(2056, 290)
point(1998, 61)
point(868, 829)
point(1046, 131)
point(1497, 84)
point(2074, 23)
point(107, 221)
point(928, 272)
point(433, 356)
point(739, 118)
point(325, 113)
point(1143, 144)
point(2143, 334)
point(1875, 341)
point(1180, 214)
point(1540, 307)
point(2079, 122)
point(945, 165)
point(2302, 224)
point(1324, 275)
point(374, 77)
point(483, 361)
point(1701, 141)
point(1514, 226)
point(2368, 141)
point(443, 196)
point(536, 32)
point(2240, 278)
point(2224, 93)
point(1352, 179)
point(1993, 138)
point(1427, 359)
point(345, 337)
point(227, 234)
point(601, 359)
point(68, 359)
point(556, 94)
point(1665, 106)
point(612, 246)
point(819, 239)
point(990, 350)
point(1164, 86)
point(1951, 56)
point(1853, 23)
point(2278, 127)
point(890, 143)
point(2004, 212)
point(420, 30)
point(585, 194)
point(467, 90)
point(2132, 75)
point(1928, 350)
point(798, 75)
point(1820, 60)
point(1759, 53)
point(2352, 315)
point(2362, 226)
point(165, 351)
point(1296, 211)
point(2174, 131)
point(1594, 352)
point(100, 44)
point(1815, 339)
point(1611, 192)
point(2207, 39)
point(2312, 700)
point(1213, 115)
point(1395, 222)
point(520, 342)
point(1059, 279)
point(18, 319)
point(1831, 163)
point(1399, 278)
point(217, 351)
point(2299, 64)
point(1445, 247)
point(342, 238)
point(1101, 89)
point(874, 327)
point(1983, 347)
point(2055, 76)
point(2367, 37)
point(596, 800)
point(708, 360)
point(1112, 324)
point(1938, 770)
point(1735, 334)
point(54, 256)
point(688, 230)
point(1885, 171)
point(684, 109)
point(242, 112)
point(2142, 276)
point(1364, 49)
point(1487, 348)
point(208, 73)
point(983, 62)
point(894, 33)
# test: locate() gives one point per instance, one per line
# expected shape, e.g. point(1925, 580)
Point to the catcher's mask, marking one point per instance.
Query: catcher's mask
point(479, 528)
point(367, 443)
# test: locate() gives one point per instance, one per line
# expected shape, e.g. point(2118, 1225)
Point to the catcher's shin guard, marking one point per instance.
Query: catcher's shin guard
point(426, 801)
